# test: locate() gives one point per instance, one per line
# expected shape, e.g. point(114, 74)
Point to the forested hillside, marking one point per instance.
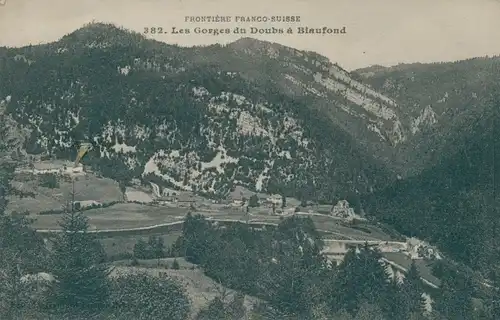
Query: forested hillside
point(258, 114)
point(440, 98)
point(455, 203)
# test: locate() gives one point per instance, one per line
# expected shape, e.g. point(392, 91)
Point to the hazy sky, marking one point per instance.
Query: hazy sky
point(382, 32)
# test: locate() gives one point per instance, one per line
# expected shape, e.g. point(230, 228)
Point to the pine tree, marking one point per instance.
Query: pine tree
point(411, 290)
point(141, 249)
point(198, 237)
point(236, 307)
point(157, 247)
point(141, 296)
point(361, 278)
point(175, 265)
point(455, 298)
point(7, 166)
point(253, 201)
point(296, 282)
point(22, 250)
point(369, 312)
point(77, 264)
point(393, 301)
point(215, 310)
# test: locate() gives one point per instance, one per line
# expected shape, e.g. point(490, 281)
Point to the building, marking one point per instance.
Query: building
point(166, 199)
point(78, 205)
point(418, 249)
point(336, 249)
point(273, 200)
point(343, 210)
point(392, 247)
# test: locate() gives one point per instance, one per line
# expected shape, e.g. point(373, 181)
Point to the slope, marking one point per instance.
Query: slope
point(438, 98)
point(202, 118)
point(454, 203)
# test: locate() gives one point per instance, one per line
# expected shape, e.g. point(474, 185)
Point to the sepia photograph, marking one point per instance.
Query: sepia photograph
point(249, 160)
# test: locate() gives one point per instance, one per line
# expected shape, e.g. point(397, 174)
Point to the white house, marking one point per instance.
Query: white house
point(418, 249)
point(275, 199)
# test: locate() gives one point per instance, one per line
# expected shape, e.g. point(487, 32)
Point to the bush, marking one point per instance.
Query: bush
point(144, 297)
point(254, 201)
point(134, 262)
point(175, 265)
point(49, 180)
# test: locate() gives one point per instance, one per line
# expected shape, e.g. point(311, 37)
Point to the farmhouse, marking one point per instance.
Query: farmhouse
point(273, 200)
point(418, 249)
point(166, 199)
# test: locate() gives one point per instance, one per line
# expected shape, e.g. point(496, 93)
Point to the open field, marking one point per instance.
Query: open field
point(88, 187)
point(130, 215)
point(334, 225)
point(363, 231)
point(119, 216)
point(34, 205)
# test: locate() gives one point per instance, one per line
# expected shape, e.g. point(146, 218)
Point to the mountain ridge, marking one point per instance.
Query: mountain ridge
point(257, 87)
point(447, 94)
point(278, 129)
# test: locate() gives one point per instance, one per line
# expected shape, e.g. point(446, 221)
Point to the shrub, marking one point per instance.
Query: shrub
point(144, 297)
point(49, 180)
point(134, 262)
point(175, 265)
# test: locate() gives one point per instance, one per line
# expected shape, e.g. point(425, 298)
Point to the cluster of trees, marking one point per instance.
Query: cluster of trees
point(69, 279)
point(49, 180)
point(83, 286)
point(455, 203)
point(284, 266)
point(153, 249)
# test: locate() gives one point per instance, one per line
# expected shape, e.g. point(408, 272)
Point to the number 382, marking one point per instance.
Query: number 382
point(153, 30)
